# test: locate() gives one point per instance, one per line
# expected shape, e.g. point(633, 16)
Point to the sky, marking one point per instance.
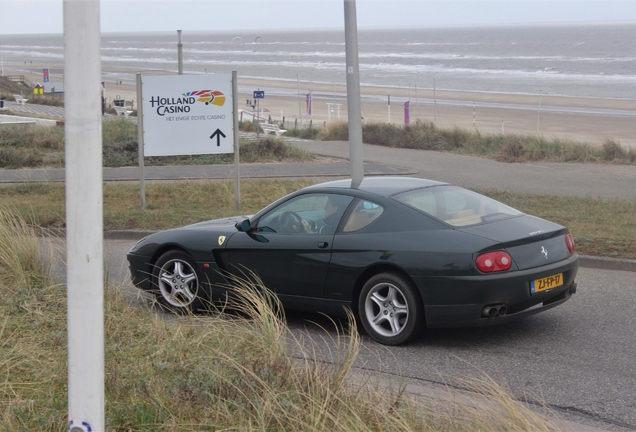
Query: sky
point(45, 16)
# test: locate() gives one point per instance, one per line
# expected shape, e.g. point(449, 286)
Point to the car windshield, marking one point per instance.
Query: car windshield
point(456, 206)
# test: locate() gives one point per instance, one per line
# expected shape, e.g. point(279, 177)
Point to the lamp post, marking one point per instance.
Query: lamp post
point(353, 93)
point(180, 53)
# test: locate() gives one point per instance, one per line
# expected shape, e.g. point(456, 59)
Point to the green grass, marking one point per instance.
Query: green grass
point(242, 371)
point(600, 227)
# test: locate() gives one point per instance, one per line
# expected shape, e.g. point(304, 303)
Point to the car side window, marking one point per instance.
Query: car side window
point(362, 215)
point(306, 214)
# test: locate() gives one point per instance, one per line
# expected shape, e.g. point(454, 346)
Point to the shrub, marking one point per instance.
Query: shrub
point(338, 131)
point(612, 150)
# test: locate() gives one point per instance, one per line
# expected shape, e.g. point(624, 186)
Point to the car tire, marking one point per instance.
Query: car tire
point(390, 309)
point(176, 281)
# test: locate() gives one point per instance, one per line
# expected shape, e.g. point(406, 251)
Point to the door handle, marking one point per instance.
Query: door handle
point(323, 245)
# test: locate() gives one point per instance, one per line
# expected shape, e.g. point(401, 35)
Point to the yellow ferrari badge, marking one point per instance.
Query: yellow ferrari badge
point(221, 240)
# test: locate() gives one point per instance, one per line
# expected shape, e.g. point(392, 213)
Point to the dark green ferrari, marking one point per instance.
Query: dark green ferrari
point(402, 253)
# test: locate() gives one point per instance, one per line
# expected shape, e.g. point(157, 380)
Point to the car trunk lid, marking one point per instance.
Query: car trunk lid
point(530, 241)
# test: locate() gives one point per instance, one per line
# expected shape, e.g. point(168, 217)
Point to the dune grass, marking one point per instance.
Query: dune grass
point(33, 146)
point(516, 148)
point(39, 146)
point(218, 371)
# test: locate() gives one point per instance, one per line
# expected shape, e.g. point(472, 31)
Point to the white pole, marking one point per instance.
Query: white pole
point(388, 104)
point(84, 212)
point(179, 53)
point(434, 103)
point(300, 110)
point(539, 115)
point(417, 103)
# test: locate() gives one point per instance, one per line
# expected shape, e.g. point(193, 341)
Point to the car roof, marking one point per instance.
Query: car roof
point(383, 186)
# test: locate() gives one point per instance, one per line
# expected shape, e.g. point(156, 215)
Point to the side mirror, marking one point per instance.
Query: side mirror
point(244, 225)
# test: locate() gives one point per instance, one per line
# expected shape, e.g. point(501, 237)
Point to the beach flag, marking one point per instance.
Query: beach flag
point(308, 100)
point(407, 112)
point(45, 75)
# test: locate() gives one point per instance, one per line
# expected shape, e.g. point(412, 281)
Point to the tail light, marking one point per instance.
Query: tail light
point(493, 262)
point(569, 242)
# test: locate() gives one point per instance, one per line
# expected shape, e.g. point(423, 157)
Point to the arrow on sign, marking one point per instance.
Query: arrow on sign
point(218, 134)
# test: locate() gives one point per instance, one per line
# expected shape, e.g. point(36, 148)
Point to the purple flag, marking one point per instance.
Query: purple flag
point(308, 100)
point(407, 112)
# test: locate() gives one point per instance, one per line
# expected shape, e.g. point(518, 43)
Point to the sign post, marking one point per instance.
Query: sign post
point(258, 95)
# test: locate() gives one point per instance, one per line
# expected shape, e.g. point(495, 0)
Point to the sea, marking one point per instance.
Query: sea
point(580, 60)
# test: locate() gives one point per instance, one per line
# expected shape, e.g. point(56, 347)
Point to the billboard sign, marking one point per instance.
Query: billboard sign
point(187, 114)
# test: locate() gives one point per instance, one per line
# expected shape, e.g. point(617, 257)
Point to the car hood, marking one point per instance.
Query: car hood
point(530, 241)
point(216, 224)
point(198, 238)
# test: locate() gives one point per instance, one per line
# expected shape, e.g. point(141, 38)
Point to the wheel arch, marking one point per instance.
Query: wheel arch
point(167, 248)
point(372, 271)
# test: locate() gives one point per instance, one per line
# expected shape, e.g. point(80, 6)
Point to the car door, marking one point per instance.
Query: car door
point(288, 247)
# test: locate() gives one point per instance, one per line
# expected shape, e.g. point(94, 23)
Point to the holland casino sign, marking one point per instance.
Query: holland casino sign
point(171, 105)
point(178, 120)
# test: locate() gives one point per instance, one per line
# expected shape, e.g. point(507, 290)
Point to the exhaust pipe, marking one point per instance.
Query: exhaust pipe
point(573, 288)
point(492, 311)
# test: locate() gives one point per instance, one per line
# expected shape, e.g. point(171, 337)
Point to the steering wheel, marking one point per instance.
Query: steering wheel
point(291, 222)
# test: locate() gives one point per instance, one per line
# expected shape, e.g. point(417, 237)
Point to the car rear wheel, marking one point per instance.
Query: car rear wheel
point(176, 281)
point(390, 309)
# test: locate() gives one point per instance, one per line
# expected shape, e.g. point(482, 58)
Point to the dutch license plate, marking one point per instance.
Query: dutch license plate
point(546, 283)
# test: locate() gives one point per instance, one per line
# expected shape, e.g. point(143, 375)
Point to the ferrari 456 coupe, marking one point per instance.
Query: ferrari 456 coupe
point(401, 253)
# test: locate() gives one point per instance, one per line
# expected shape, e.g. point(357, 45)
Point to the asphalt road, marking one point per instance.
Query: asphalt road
point(546, 178)
point(577, 358)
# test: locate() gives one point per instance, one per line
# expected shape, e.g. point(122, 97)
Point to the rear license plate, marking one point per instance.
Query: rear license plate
point(546, 283)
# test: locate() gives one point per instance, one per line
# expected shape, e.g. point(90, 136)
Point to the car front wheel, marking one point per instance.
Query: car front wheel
point(390, 309)
point(176, 281)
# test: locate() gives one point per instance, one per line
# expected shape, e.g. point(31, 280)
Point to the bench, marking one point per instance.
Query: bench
point(122, 111)
point(267, 128)
point(19, 99)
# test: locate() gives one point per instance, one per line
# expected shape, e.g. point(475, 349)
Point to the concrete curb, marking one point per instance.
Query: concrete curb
point(607, 263)
point(588, 261)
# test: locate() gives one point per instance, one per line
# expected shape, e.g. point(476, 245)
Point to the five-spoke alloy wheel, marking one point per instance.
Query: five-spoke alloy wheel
point(176, 281)
point(390, 309)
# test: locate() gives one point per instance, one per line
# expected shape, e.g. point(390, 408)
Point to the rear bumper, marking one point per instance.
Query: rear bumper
point(451, 316)
point(460, 301)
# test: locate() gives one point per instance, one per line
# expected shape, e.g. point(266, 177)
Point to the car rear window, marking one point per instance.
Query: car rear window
point(456, 206)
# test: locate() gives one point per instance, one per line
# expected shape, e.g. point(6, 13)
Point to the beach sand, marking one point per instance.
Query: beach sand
point(510, 113)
